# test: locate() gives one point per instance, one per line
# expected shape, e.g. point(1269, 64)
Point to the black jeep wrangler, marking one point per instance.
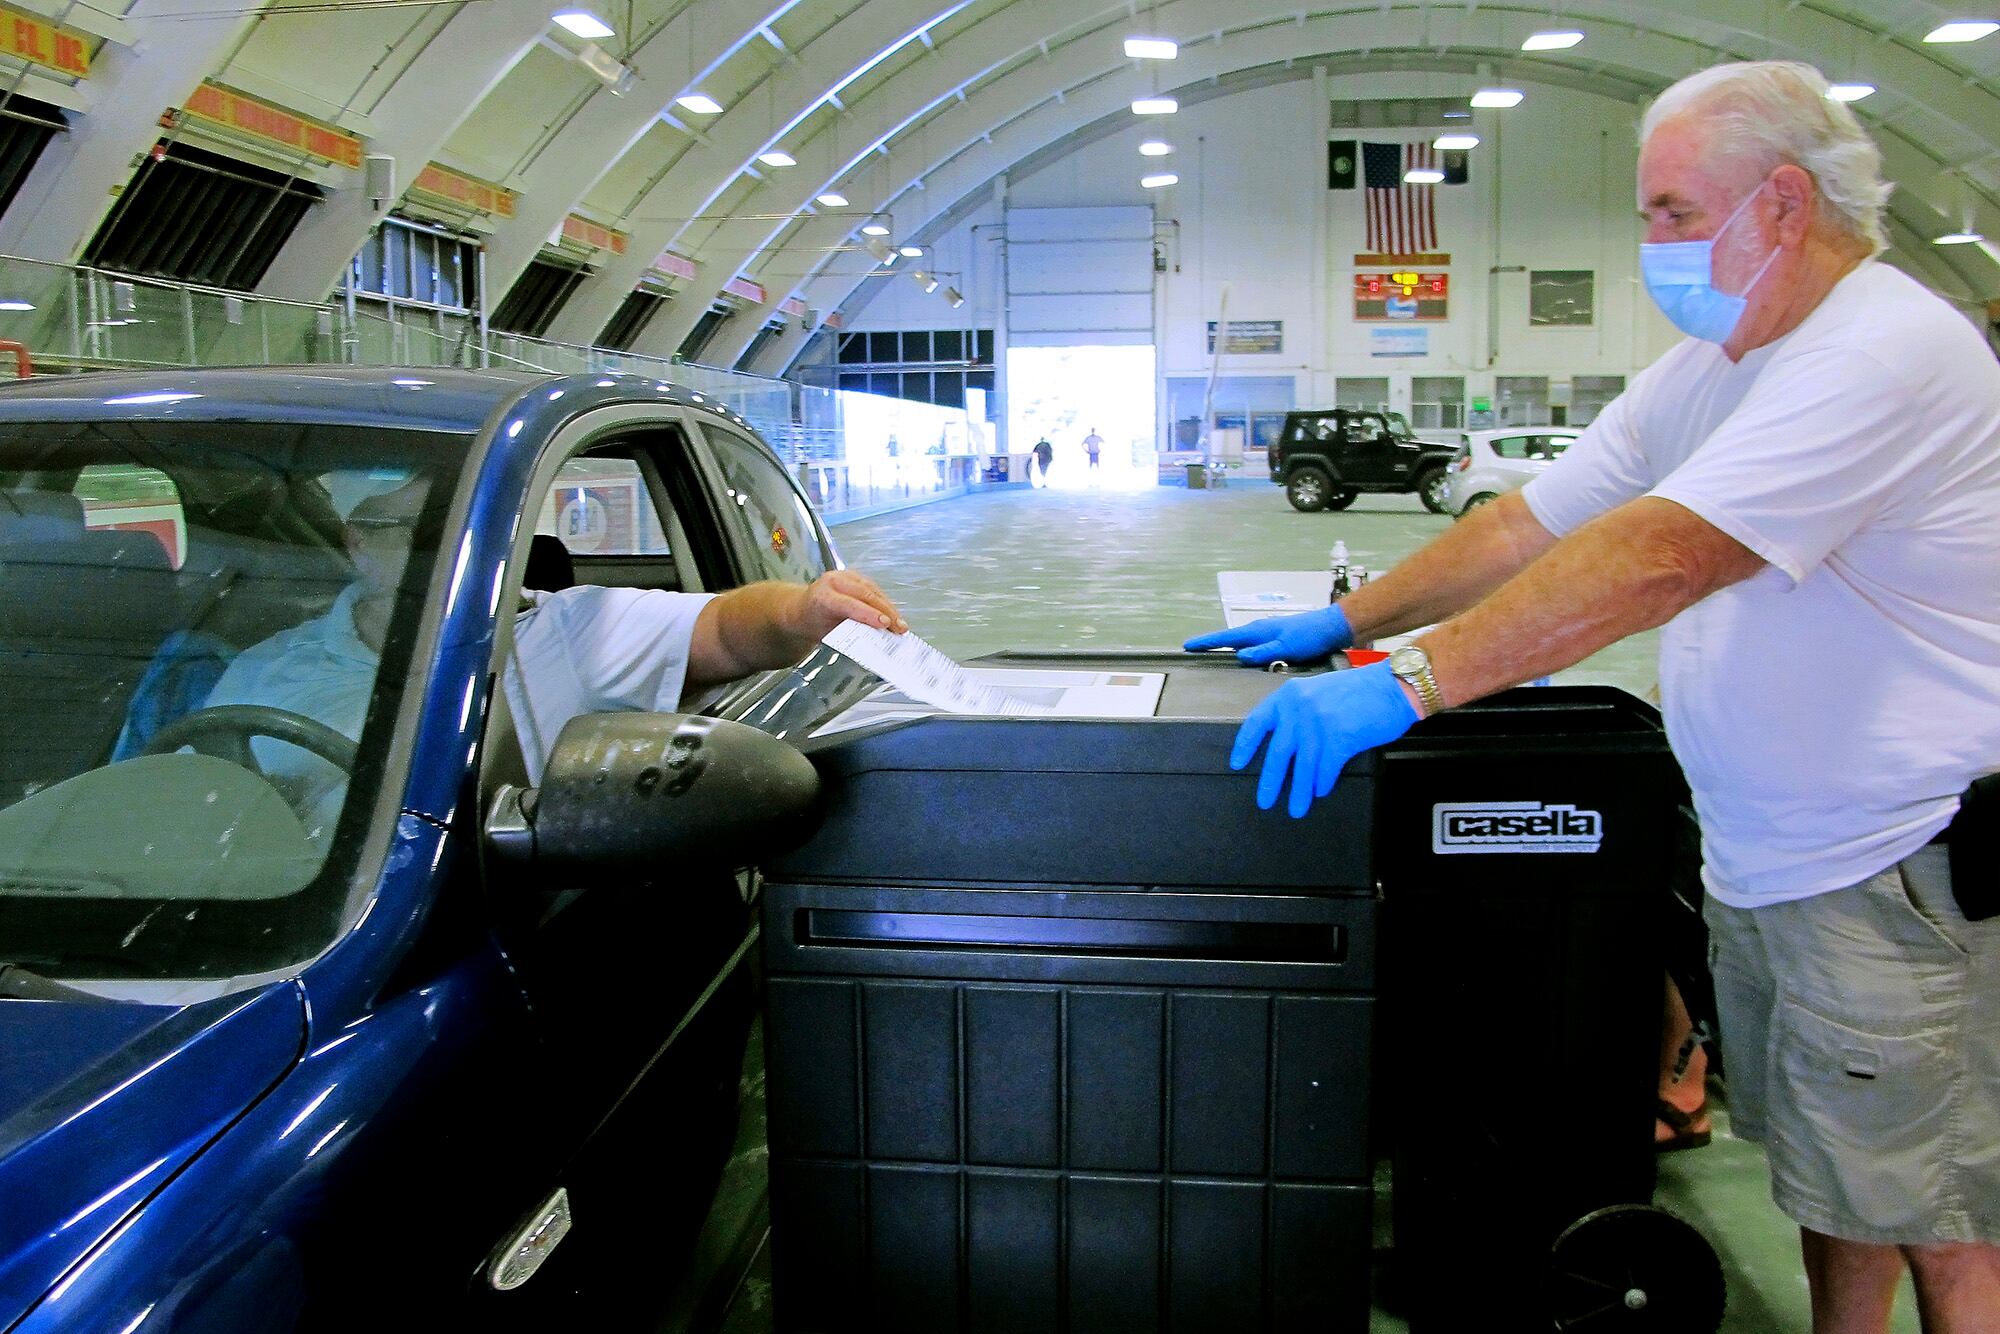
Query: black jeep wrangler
point(1328, 456)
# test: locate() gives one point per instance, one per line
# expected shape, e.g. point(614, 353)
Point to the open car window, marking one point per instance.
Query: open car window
point(205, 630)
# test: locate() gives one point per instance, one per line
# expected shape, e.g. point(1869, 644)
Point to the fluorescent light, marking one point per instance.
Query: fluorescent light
point(1155, 182)
point(583, 23)
point(1151, 48)
point(1454, 143)
point(1965, 30)
point(1958, 238)
point(777, 157)
point(874, 229)
point(1497, 97)
point(699, 103)
point(1155, 148)
point(832, 200)
point(913, 251)
point(1849, 92)
point(1458, 115)
point(1155, 106)
point(1552, 41)
point(16, 305)
point(1423, 176)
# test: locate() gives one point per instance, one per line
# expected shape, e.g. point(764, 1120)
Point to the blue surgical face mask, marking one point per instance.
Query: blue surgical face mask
point(1680, 274)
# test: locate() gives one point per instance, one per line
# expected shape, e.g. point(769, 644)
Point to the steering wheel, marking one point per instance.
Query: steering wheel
point(225, 732)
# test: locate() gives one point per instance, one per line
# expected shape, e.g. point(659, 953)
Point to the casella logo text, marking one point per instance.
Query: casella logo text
point(1513, 826)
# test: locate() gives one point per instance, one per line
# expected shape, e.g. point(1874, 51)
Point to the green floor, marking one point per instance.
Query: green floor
point(1042, 569)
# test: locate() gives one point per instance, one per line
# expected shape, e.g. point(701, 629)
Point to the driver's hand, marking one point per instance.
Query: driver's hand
point(847, 595)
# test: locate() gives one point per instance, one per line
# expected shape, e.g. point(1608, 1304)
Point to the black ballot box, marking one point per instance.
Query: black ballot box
point(1063, 1033)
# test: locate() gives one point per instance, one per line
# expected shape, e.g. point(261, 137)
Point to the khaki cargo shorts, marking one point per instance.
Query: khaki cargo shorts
point(1861, 1032)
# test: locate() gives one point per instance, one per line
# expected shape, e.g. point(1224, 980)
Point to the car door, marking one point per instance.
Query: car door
point(641, 991)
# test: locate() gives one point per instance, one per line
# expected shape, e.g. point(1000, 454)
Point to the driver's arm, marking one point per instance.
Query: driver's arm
point(761, 627)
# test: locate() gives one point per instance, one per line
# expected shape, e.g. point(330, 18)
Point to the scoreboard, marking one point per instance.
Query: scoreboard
point(1401, 295)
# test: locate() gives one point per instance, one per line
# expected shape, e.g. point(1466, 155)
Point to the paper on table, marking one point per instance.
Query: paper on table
point(917, 669)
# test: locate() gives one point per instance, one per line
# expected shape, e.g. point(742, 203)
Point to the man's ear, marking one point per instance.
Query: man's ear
point(1798, 198)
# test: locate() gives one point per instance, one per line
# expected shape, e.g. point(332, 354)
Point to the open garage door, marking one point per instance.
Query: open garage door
point(1079, 277)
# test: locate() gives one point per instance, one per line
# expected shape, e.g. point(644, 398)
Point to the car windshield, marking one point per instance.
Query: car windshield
point(195, 619)
point(1399, 426)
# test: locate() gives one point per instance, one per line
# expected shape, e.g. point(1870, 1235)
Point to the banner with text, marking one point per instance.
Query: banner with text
point(40, 43)
point(257, 119)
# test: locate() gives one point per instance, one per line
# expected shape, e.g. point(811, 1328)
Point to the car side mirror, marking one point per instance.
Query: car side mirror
point(639, 793)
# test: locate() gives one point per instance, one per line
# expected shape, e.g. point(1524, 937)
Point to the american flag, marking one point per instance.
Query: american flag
point(1402, 219)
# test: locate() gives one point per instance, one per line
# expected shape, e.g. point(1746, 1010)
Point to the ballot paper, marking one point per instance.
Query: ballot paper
point(1249, 595)
point(918, 681)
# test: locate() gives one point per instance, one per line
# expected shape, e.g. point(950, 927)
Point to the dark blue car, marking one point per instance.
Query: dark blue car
point(277, 1055)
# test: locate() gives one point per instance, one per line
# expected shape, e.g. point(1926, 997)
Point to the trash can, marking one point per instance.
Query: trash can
point(1197, 476)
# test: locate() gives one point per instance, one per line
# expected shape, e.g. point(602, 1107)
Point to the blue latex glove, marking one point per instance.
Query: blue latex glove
point(1316, 725)
point(1309, 636)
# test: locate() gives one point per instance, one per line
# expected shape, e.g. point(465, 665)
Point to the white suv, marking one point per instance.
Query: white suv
point(1492, 462)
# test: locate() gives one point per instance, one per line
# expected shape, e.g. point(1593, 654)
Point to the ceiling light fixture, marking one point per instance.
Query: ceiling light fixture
point(832, 200)
point(1155, 106)
point(874, 227)
point(1155, 182)
point(1849, 92)
point(1155, 148)
point(1551, 41)
point(1958, 238)
point(1497, 97)
point(1455, 143)
point(16, 305)
point(583, 23)
point(1423, 176)
point(913, 251)
point(777, 157)
point(1964, 30)
point(1152, 48)
point(699, 103)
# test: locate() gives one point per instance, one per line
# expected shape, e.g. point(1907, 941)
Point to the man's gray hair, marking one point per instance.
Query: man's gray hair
point(1778, 110)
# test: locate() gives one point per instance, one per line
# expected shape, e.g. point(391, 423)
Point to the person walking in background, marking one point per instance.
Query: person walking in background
point(1044, 455)
point(1093, 444)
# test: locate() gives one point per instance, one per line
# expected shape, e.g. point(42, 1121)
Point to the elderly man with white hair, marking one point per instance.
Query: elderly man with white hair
point(1806, 494)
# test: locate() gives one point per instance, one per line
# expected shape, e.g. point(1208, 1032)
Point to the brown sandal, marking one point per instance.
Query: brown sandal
point(1685, 1136)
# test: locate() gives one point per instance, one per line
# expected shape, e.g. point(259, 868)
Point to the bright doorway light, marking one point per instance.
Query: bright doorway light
point(1155, 148)
point(1453, 143)
point(583, 23)
point(1849, 92)
point(1552, 41)
point(699, 103)
point(1497, 97)
point(1155, 106)
point(1155, 182)
point(1063, 394)
point(1965, 30)
point(1151, 48)
point(777, 157)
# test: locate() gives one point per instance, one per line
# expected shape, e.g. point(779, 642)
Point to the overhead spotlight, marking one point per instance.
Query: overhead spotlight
point(1497, 97)
point(1455, 143)
point(777, 157)
point(952, 298)
point(913, 251)
point(1151, 48)
point(1423, 176)
point(1155, 148)
point(1965, 30)
point(879, 250)
point(832, 200)
point(1155, 106)
point(1958, 238)
point(699, 103)
point(1849, 92)
point(583, 23)
point(874, 227)
point(931, 283)
point(613, 72)
point(1155, 182)
point(1551, 41)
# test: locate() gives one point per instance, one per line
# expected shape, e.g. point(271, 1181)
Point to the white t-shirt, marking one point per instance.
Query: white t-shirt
point(583, 650)
point(1829, 710)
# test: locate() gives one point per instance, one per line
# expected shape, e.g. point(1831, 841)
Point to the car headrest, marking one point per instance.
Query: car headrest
point(40, 516)
point(550, 568)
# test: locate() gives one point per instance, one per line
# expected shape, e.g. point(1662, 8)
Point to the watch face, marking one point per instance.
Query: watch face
point(1408, 660)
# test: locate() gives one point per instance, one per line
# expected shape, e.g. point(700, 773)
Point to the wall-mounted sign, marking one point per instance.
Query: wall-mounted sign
point(452, 187)
point(1402, 294)
point(1404, 341)
point(677, 266)
point(41, 43)
point(593, 235)
point(257, 119)
point(1250, 336)
point(747, 288)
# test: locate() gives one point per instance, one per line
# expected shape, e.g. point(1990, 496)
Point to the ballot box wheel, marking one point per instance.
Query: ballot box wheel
point(1634, 1269)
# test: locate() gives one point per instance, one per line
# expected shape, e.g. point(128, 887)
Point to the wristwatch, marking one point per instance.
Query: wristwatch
point(1413, 665)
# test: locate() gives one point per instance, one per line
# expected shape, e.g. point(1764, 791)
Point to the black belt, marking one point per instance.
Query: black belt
point(1943, 835)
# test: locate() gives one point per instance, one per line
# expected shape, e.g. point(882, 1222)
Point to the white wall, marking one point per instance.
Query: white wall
point(1551, 188)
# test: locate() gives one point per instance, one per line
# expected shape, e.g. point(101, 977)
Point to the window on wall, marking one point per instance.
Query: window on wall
point(535, 297)
point(1437, 402)
point(1589, 394)
point(1562, 297)
point(26, 126)
point(704, 329)
point(634, 314)
point(1367, 391)
point(201, 217)
point(1522, 400)
point(923, 365)
point(405, 261)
